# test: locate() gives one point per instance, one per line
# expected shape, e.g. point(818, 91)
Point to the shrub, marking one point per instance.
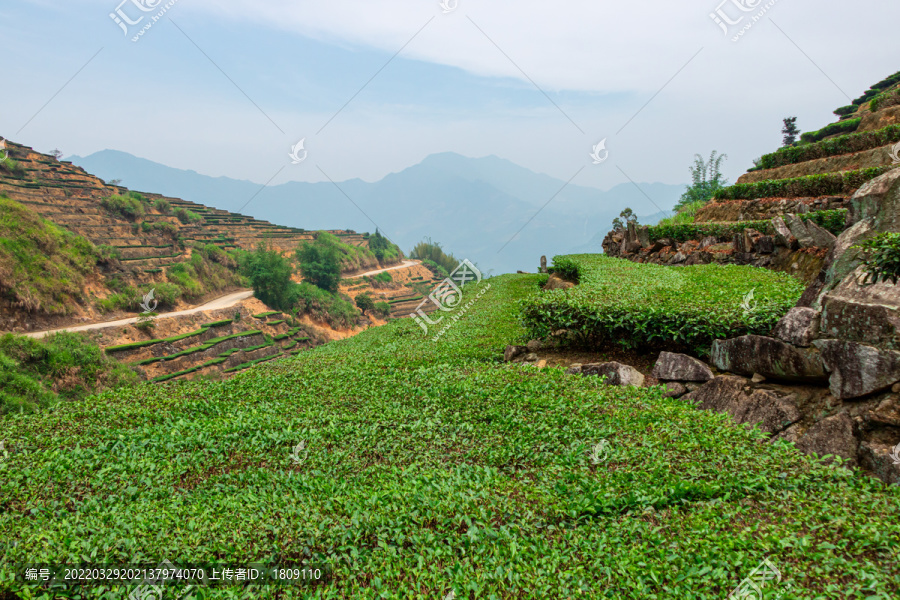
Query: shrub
point(164, 228)
point(38, 373)
point(684, 215)
point(323, 305)
point(383, 277)
point(145, 323)
point(832, 220)
point(270, 276)
point(566, 268)
point(846, 110)
point(162, 205)
point(650, 306)
point(365, 303)
point(11, 166)
point(382, 248)
point(382, 309)
point(123, 206)
point(882, 258)
point(186, 216)
point(320, 263)
point(706, 178)
point(826, 184)
point(846, 126)
point(845, 144)
point(432, 256)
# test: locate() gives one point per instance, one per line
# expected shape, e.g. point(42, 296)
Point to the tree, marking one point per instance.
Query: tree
point(790, 131)
point(56, 154)
point(629, 217)
point(364, 302)
point(379, 245)
point(320, 263)
point(270, 276)
point(706, 179)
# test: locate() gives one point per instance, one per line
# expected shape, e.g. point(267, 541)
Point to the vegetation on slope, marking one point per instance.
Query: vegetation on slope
point(36, 374)
point(432, 255)
point(433, 467)
point(42, 266)
point(652, 306)
point(845, 144)
point(825, 184)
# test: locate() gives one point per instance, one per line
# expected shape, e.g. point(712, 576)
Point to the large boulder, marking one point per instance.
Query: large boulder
point(681, 367)
point(615, 373)
point(799, 327)
point(858, 370)
point(878, 199)
point(822, 238)
point(513, 352)
point(881, 459)
point(769, 410)
point(868, 314)
point(835, 435)
point(769, 357)
point(783, 235)
point(799, 230)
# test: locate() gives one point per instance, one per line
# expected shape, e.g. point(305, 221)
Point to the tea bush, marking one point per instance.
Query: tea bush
point(826, 184)
point(652, 306)
point(431, 468)
point(846, 144)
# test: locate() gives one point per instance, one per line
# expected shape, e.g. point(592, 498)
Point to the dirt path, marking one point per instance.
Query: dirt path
point(221, 302)
point(405, 264)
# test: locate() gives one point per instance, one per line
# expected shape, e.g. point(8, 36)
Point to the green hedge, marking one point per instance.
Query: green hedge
point(832, 220)
point(845, 144)
point(266, 314)
point(647, 306)
point(845, 126)
point(841, 183)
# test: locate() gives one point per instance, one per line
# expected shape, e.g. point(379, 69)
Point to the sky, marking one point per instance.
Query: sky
point(228, 87)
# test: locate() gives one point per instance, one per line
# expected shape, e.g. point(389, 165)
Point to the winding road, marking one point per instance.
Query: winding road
point(225, 301)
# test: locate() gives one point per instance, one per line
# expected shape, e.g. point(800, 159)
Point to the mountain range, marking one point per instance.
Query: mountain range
point(473, 206)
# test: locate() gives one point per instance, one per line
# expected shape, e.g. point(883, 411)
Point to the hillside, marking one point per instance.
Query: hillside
point(76, 252)
point(764, 218)
point(446, 197)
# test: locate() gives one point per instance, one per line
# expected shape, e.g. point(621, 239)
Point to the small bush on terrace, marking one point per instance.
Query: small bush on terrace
point(322, 305)
point(124, 206)
point(320, 262)
point(186, 216)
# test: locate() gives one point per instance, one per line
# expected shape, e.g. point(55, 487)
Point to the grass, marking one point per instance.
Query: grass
point(43, 267)
point(684, 216)
point(435, 467)
point(37, 374)
point(652, 306)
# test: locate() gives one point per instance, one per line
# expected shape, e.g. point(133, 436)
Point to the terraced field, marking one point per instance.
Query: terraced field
point(432, 468)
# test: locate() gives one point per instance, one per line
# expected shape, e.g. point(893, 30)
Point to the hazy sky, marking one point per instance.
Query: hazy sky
point(226, 87)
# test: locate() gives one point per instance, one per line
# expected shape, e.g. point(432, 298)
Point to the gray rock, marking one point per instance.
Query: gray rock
point(835, 435)
point(868, 314)
point(681, 367)
point(765, 245)
point(543, 268)
point(878, 459)
point(615, 373)
point(799, 327)
point(674, 390)
point(531, 357)
point(799, 231)
point(822, 238)
point(767, 409)
point(535, 345)
point(878, 199)
point(643, 236)
point(782, 233)
point(769, 357)
point(858, 370)
point(678, 258)
point(512, 352)
point(708, 241)
point(574, 369)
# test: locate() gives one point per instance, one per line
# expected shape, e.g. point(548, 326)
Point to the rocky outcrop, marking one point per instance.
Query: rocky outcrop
point(858, 370)
point(835, 435)
point(868, 314)
point(681, 367)
point(799, 327)
point(769, 357)
point(555, 282)
point(773, 413)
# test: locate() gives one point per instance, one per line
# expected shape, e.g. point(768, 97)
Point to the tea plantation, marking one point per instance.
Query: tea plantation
point(434, 467)
point(639, 305)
